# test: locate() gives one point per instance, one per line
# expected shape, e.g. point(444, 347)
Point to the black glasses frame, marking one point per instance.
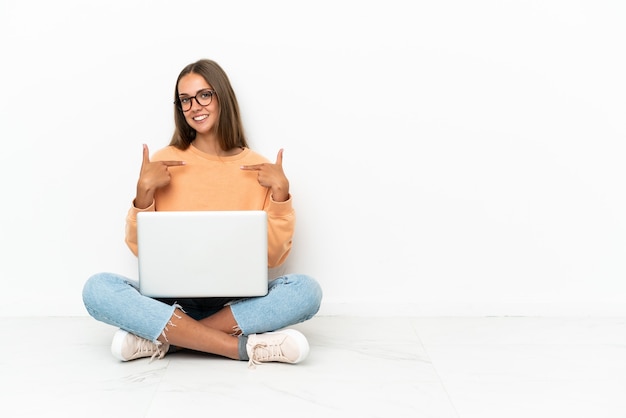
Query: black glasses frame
point(186, 107)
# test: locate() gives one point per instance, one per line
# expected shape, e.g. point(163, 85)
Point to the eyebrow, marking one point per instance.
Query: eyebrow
point(189, 95)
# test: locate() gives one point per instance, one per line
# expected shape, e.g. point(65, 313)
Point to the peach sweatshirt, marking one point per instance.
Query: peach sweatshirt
point(209, 182)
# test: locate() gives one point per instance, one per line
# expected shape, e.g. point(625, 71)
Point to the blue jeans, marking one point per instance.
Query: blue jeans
point(115, 300)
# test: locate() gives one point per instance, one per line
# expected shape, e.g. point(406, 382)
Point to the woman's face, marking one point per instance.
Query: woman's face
point(194, 93)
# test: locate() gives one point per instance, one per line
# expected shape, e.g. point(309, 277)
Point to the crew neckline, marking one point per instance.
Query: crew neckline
point(204, 155)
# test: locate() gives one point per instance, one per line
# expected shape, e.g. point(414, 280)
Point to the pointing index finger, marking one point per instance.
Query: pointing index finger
point(251, 167)
point(168, 163)
point(172, 163)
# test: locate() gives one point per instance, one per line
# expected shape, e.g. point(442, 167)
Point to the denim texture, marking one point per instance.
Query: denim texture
point(115, 300)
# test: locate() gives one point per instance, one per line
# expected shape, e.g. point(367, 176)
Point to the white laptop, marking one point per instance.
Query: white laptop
point(202, 253)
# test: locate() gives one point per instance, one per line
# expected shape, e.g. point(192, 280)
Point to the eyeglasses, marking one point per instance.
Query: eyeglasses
point(203, 98)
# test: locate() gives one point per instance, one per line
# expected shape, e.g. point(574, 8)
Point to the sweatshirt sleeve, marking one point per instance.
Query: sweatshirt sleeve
point(281, 221)
point(131, 226)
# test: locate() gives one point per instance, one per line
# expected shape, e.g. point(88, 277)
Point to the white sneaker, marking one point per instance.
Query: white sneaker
point(127, 346)
point(285, 346)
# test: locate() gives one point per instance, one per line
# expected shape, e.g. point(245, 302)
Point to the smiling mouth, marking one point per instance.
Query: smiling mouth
point(200, 118)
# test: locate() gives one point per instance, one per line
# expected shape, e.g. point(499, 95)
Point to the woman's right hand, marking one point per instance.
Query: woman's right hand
point(152, 176)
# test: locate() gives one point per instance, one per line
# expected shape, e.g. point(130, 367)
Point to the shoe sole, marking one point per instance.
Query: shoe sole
point(116, 345)
point(303, 343)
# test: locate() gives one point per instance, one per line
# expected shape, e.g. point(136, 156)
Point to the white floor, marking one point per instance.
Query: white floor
point(358, 367)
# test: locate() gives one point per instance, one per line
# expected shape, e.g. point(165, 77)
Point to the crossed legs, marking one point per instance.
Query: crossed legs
point(234, 331)
point(213, 334)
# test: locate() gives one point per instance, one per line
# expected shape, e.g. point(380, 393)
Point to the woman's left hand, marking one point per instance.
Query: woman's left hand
point(273, 177)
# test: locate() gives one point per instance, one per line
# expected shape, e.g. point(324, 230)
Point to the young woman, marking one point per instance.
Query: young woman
point(208, 166)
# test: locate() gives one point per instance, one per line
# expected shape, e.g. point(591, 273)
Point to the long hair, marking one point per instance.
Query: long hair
point(229, 127)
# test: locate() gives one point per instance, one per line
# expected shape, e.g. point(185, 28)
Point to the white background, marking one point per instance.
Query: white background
point(445, 157)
